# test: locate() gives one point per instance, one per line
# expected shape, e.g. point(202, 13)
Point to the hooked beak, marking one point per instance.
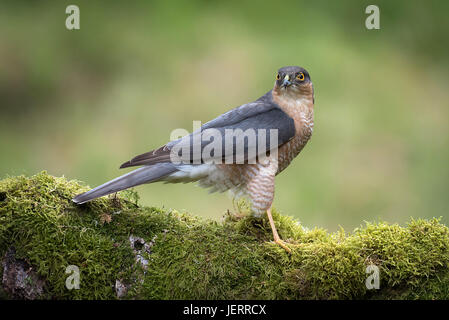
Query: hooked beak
point(286, 81)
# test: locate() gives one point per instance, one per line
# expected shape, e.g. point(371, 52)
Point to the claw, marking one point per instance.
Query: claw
point(283, 245)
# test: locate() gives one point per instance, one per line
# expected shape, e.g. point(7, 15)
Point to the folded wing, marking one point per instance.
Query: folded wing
point(248, 128)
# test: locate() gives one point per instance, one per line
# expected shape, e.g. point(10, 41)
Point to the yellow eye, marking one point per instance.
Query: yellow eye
point(278, 77)
point(300, 76)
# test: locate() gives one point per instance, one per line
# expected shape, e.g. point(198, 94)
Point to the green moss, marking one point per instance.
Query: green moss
point(192, 258)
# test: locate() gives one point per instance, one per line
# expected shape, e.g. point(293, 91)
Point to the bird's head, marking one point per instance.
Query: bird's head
point(292, 80)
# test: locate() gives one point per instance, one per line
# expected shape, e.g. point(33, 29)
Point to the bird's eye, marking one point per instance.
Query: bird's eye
point(300, 76)
point(278, 77)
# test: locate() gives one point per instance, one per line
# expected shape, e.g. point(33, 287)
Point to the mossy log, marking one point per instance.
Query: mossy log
point(123, 250)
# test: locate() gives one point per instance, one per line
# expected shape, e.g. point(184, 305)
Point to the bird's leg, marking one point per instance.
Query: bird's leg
point(276, 237)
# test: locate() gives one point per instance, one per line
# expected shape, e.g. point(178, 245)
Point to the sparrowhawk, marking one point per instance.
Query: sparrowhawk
point(286, 115)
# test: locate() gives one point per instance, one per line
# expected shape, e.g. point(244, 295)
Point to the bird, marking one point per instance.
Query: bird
point(284, 116)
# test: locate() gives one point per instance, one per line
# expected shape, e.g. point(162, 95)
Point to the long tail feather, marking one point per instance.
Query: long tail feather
point(134, 178)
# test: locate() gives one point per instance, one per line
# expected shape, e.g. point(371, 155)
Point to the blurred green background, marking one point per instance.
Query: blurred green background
point(80, 103)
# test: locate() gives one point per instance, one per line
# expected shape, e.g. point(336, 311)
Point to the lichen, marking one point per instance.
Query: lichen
point(187, 257)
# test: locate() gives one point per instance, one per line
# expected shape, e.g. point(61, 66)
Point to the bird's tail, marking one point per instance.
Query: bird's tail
point(134, 178)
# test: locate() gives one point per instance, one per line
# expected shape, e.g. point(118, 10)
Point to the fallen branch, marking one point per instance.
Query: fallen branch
point(114, 248)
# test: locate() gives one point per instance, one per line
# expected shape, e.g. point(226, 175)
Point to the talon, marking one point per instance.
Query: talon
point(283, 245)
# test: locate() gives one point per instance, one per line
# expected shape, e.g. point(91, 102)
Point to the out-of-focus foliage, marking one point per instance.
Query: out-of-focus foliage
point(80, 103)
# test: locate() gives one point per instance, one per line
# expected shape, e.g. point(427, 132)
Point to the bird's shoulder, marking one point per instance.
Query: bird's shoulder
point(264, 104)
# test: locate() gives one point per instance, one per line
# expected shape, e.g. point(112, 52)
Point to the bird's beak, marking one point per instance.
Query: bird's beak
point(286, 81)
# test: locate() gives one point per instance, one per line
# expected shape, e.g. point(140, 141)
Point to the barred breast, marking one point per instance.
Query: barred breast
point(298, 104)
point(291, 149)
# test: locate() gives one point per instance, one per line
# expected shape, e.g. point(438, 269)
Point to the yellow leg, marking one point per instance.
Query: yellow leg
point(276, 237)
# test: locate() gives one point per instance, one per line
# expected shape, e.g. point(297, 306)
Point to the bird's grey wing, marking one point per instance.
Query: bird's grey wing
point(245, 122)
point(247, 110)
point(159, 155)
point(251, 136)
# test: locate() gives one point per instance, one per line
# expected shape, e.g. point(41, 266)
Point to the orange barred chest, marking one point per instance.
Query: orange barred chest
point(291, 149)
point(300, 109)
